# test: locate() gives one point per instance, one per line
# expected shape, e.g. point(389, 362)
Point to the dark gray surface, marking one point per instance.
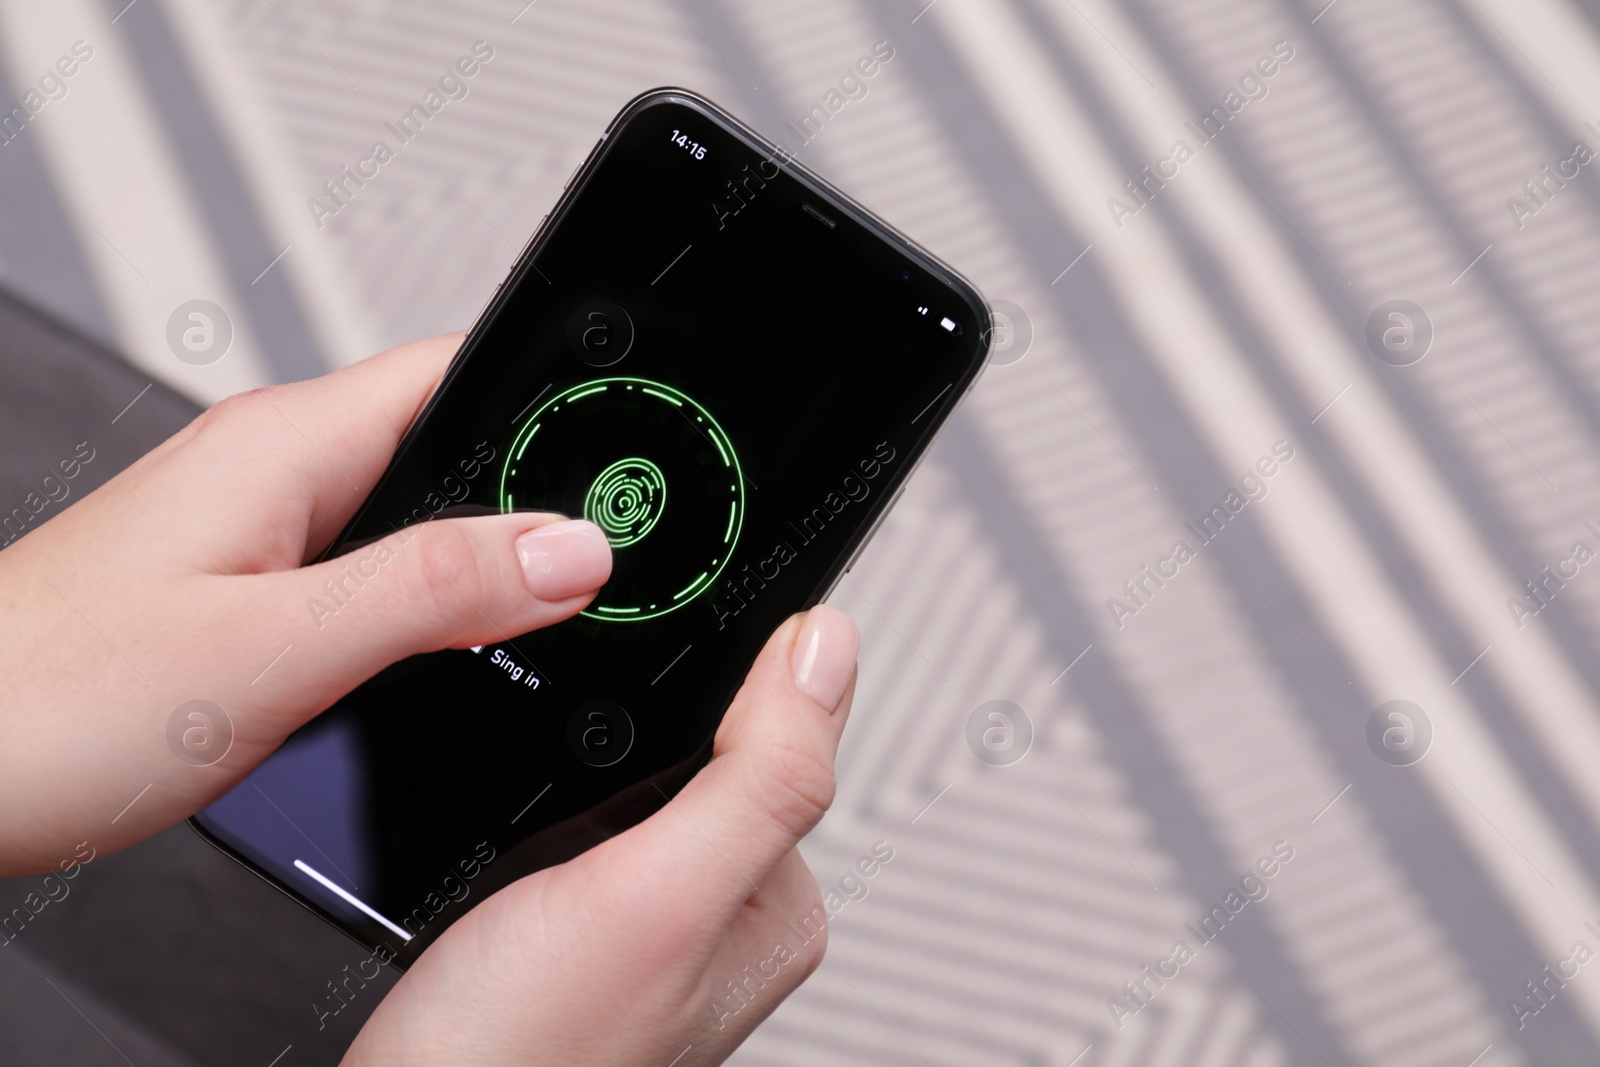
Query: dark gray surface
point(167, 953)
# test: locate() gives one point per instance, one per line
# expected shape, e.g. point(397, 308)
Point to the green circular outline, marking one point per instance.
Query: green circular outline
point(712, 429)
point(593, 504)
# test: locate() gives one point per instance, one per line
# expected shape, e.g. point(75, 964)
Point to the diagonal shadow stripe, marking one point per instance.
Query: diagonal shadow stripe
point(1131, 742)
point(1591, 11)
point(39, 251)
point(1466, 483)
point(1484, 932)
point(1469, 487)
point(1402, 152)
point(217, 183)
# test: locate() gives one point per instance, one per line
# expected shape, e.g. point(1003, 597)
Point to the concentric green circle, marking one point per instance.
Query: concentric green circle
point(626, 500)
point(607, 449)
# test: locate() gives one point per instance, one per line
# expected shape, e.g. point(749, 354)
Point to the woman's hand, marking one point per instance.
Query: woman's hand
point(666, 945)
point(182, 579)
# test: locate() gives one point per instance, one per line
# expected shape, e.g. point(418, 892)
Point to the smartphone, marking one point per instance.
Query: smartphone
point(729, 366)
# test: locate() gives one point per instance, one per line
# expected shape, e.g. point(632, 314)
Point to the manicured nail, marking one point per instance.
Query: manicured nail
point(824, 655)
point(564, 559)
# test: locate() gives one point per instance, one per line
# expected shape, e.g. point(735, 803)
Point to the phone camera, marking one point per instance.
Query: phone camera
point(599, 332)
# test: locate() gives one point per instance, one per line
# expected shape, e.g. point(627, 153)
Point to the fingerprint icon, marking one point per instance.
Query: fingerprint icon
point(552, 463)
point(626, 500)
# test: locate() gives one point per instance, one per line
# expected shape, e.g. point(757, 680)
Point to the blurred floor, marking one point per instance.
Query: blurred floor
point(1181, 322)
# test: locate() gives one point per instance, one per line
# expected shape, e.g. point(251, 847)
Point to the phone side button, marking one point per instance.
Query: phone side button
point(487, 304)
point(587, 156)
point(537, 230)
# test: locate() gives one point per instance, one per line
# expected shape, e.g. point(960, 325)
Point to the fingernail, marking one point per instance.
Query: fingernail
point(564, 559)
point(824, 655)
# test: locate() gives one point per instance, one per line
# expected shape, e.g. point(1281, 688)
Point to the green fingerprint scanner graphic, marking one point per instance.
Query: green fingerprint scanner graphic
point(564, 459)
point(626, 500)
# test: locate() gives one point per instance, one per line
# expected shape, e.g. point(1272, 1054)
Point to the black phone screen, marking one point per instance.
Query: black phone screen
point(730, 369)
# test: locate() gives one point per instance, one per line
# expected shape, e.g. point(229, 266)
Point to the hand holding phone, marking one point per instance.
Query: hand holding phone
point(189, 564)
point(734, 425)
point(727, 367)
point(673, 939)
point(157, 643)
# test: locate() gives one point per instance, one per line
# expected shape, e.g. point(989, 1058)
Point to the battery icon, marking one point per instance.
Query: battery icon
point(949, 324)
